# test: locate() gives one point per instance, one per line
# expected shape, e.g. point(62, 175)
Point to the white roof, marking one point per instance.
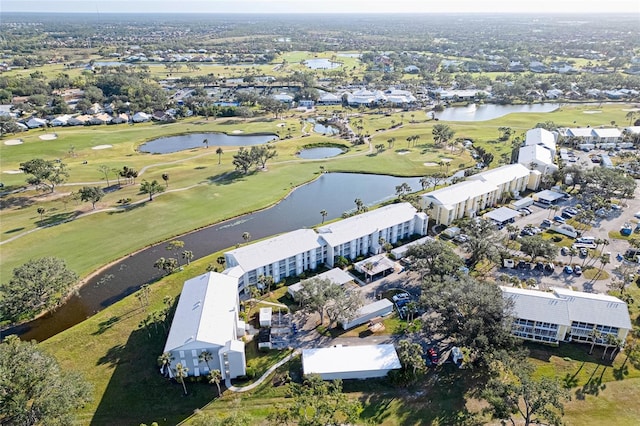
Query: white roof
point(207, 312)
point(366, 223)
point(540, 136)
point(537, 305)
point(595, 308)
point(607, 133)
point(344, 359)
point(274, 249)
point(335, 275)
point(374, 307)
point(399, 252)
point(584, 132)
point(378, 264)
point(265, 314)
point(454, 194)
point(549, 195)
point(502, 214)
point(534, 153)
point(503, 174)
point(632, 129)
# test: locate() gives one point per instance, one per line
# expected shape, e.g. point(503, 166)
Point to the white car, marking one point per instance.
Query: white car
point(637, 215)
point(401, 296)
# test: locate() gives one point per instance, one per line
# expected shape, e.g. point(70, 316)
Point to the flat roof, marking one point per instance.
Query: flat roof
point(607, 133)
point(377, 264)
point(549, 195)
point(455, 194)
point(275, 249)
point(207, 311)
point(344, 359)
point(399, 252)
point(265, 314)
point(374, 307)
point(584, 132)
point(363, 224)
point(502, 214)
point(335, 276)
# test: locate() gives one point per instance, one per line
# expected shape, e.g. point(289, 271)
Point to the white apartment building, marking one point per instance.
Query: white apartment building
point(282, 256)
point(363, 234)
point(566, 315)
point(478, 192)
point(206, 319)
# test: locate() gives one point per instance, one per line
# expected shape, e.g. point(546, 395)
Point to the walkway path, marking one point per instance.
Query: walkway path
point(267, 373)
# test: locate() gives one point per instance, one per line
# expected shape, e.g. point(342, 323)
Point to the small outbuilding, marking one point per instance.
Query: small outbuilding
point(350, 362)
point(375, 265)
point(265, 317)
point(547, 197)
point(367, 312)
point(522, 203)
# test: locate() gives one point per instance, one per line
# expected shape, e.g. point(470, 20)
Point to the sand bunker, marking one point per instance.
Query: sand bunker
point(631, 110)
point(13, 142)
point(430, 164)
point(12, 172)
point(102, 147)
point(49, 137)
point(403, 152)
point(235, 132)
point(592, 112)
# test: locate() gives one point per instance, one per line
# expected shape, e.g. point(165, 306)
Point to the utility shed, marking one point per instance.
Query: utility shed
point(350, 362)
point(265, 317)
point(376, 309)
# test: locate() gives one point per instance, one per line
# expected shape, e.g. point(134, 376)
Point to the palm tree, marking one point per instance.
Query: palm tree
point(181, 373)
point(205, 356)
point(359, 205)
point(41, 212)
point(206, 143)
point(215, 377)
point(424, 181)
point(595, 335)
point(572, 252)
point(219, 151)
point(324, 214)
point(164, 361)
point(187, 255)
point(630, 116)
point(165, 178)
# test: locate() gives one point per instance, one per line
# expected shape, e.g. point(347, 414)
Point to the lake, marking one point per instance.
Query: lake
point(485, 112)
point(333, 192)
point(169, 144)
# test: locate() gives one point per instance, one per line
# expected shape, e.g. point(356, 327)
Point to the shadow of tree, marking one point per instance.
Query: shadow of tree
point(14, 230)
point(105, 325)
point(58, 218)
point(15, 202)
point(228, 178)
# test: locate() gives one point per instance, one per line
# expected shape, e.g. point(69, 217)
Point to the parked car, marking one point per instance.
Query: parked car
point(401, 296)
point(577, 270)
point(546, 222)
point(584, 252)
point(522, 264)
point(539, 266)
point(568, 270)
point(571, 210)
point(637, 215)
point(559, 219)
point(564, 251)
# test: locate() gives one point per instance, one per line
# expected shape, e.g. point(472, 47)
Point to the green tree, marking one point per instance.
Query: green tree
point(243, 160)
point(215, 377)
point(262, 153)
point(92, 194)
point(41, 211)
point(165, 178)
point(181, 373)
point(317, 402)
point(34, 390)
point(164, 362)
point(482, 240)
point(219, 151)
point(315, 295)
point(8, 125)
point(535, 246)
point(105, 170)
point(44, 174)
point(37, 285)
point(442, 133)
point(516, 392)
point(151, 188)
point(411, 357)
point(188, 256)
point(205, 356)
point(434, 258)
point(343, 307)
point(324, 214)
point(246, 237)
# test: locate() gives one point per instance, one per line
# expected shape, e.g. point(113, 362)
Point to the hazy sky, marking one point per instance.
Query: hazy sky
point(314, 6)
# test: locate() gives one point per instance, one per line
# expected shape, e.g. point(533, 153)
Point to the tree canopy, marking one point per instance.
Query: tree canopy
point(35, 286)
point(44, 174)
point(33, 388)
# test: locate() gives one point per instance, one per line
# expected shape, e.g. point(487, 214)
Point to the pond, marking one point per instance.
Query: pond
point(322, 64)
point(321, 128)
point(169, 144)
point(333, 192)
point(318, 153)
point(485, 112)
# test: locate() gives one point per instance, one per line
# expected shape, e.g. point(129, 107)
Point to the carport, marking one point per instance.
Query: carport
point(378, 264)
point(502, 215)
point(547, 197)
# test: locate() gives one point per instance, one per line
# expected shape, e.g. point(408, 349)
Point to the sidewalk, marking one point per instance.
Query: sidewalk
point(266, 375)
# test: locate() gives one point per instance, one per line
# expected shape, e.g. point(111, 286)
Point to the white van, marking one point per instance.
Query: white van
point(586, 240)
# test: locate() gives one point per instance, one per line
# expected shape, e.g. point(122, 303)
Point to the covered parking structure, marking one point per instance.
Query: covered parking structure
point(502, 216)
point(547, 197)
point(375, 265)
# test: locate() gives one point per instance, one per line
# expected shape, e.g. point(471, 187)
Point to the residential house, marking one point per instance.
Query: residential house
point(206, 319)
point(34, 123)
point(61, 120)
point(610, 135)
point(140, 117)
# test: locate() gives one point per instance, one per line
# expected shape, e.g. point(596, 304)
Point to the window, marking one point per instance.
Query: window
point(181, 354)
point(194, 353)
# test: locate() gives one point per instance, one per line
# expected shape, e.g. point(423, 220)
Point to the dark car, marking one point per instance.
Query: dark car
point(522, 264)
point(540, 266)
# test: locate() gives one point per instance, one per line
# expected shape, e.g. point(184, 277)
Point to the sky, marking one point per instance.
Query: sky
point(324, 6)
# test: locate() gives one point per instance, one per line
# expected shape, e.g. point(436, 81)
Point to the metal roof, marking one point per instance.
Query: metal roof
point(344, 359)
